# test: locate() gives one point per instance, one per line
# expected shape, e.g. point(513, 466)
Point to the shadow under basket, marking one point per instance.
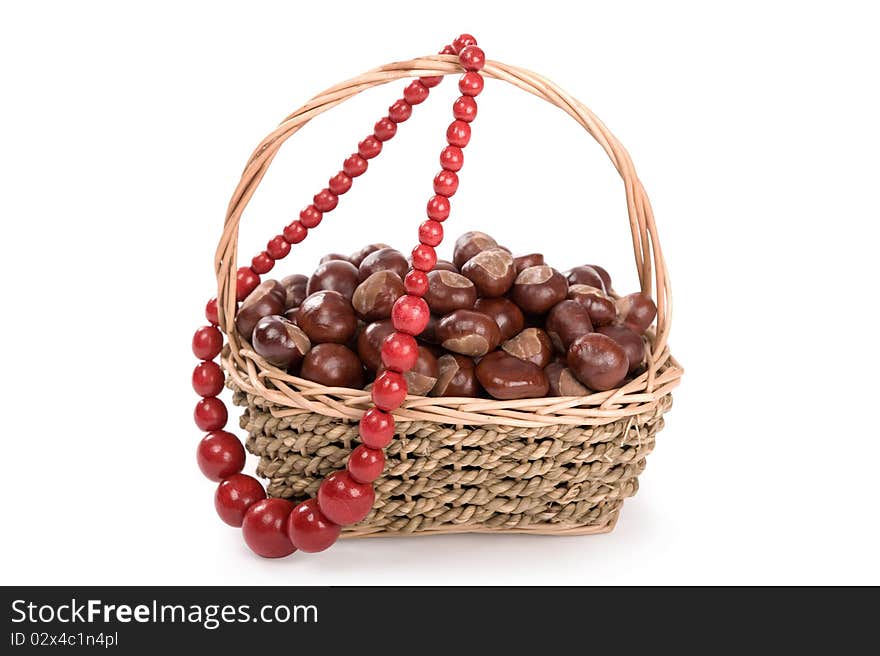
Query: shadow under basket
point(559, 465)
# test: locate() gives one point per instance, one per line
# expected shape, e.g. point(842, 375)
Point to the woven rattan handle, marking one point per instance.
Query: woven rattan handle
point(646, 245)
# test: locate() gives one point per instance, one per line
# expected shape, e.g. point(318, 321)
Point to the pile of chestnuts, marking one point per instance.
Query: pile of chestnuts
point(501, 326)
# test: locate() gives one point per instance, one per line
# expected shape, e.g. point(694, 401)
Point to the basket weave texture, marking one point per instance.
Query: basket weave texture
point(559, 465)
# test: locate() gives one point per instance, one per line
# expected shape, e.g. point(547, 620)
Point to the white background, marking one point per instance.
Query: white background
point(754, 128)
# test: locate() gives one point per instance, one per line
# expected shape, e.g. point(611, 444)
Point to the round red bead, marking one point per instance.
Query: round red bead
point(210, 414)
point(415, 93)
point(446, 183)
point(471, 83)
point(400, 111)
point(340, 183)
point(365, 464)
point(262, 263)
point(410, 314)
point(472, 57)
point(438, 208)
point(462, 41)
point(424, 257)
point(465, 109)
point(325, 200)
point(246, 281)
point(235, 495)
point(220, 455)
point(207, 342)
point(265, 528)
point(458, 134)
point(431, 232)
point(296, 232)
point(451, 158)
point(447, 50)
point(399, 352)
point(211, 312)
point(310, 217)
point(431, 81)
point(343, 500)
point(369, 147)
point(384, 129)
point(354, 165)
point(309, 529)
point(416, 283)
point(207, 379)
point(376, 428)
point(389, 390)
point(278, 247)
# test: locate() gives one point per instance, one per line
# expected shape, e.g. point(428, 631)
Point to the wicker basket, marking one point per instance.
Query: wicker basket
point(547, 466)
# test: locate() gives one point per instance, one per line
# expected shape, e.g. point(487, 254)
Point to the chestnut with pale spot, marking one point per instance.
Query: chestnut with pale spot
point(525, 261)
point(598, 304)
point(585, 275)
point(505, 312)
point(532, 345)
point(295, 287)
point(449, 291)
point(266, 299)
point(375, 296)
point(636, 312)
point(469, 244)
point(280, 342)
point(567, 321)
point(384, 259)
point(468, 332)
point(422, 377)
point(563, 382)
point(506, 377)
point(538, 288)
point(491, 271)
point(456, 377)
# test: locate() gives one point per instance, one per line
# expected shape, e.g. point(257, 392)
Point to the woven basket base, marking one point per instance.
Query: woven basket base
point(558, 479)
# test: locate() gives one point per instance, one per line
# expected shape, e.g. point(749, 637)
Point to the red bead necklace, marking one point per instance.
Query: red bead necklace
point(274, 528)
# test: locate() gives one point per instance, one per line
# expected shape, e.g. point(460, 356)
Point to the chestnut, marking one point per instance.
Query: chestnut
point(384, 259)
point(506, 377)
point(468, 332)
point(538, 288)
point(449, 291)
point(335, 275)
point(374, 297)
point(280, 342)
point(532, 345)
point(636, 312)
point(491, 271)
point(526, 261)
point(631, 342)
point(291, 314)
point(330, 257)
point(563, 382)
point(369, 343)
point(423, 376)
point(327, 316)
point(429, 334)
point(268, 298)
point(603, 274)
point(456, 376)
point(599, 305)
point(295, 286)
point(567, 321)
point(445, 265)
point(506, 314)
point(585, 275)
point(598, 361)
point(469, 244)
point(358, 256)
point(333, 365)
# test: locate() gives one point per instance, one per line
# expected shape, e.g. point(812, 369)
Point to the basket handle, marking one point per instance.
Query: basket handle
point(650, 264)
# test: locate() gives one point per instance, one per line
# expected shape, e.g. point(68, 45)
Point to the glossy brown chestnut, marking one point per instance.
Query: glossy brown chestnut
point(468, 332)
point(445, 265)
point(563, 382)
point(532, 345)
point(369, 343)
point(598, 361)
point(375, 296)
point(333, 365)
point(566, 321)
point(268, 298)
point(429, 334)
point(631, 342)
point(280, 342)
point(449, 291)
point(538, 288)
point(337, 276)
point(600, 307)
point(327, 316)
point(292, 314)
point(585, 275)
point(469, 244)
point(636, 312)
point(295, 288)
point(604, 275)
point(526, 261)
point(506, 314)
point(358, 256)
point(506, 377)
point(491, 271)
point(423, 376)
point(456, 376)
point(384, 259)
